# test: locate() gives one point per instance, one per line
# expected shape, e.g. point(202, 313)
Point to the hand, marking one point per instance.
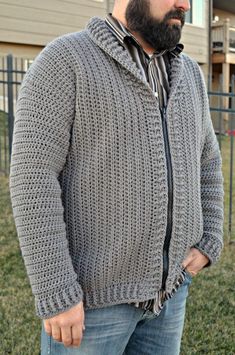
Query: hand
point(195, 261)
point(67, 327)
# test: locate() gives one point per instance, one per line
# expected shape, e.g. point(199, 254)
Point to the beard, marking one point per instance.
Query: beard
point(159, 34)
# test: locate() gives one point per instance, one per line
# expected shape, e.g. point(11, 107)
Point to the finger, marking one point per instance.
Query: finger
point(192, 269)
point(195, 264)
point(56, 334)
point(187, 260)
point(66, 335)
point(77, 335)
point(47, 327)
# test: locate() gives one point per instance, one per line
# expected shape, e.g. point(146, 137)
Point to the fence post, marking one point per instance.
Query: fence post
point(232, 129)
point(221, 118)
point(10, 100)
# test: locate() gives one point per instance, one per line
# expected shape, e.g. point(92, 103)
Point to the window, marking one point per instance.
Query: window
point(232, 39)
point(196, 15)
point(188, 17)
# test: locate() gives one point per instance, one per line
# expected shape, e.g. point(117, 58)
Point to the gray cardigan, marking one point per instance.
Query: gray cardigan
point(88, 176)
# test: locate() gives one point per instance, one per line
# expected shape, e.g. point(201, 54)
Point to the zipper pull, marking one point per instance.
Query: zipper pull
point(163, 111)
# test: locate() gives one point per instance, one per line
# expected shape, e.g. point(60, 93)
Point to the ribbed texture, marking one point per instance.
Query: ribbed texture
point(156, 304)
point(88, 175)
point(155, 72)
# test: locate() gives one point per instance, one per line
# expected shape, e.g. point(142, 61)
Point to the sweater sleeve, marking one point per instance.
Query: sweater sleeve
point(41, 137)
point(212, 191)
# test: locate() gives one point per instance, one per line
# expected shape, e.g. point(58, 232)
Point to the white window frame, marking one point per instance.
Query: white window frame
point(194, 9)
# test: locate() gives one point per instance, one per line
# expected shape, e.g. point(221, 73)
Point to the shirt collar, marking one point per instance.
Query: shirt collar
point(123, 34)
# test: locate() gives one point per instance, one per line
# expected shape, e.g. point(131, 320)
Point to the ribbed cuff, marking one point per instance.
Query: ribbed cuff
point(59, 302)
point(211, 247)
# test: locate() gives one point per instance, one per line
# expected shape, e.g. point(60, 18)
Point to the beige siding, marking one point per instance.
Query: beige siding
point(110, 5)
point(31, 24)
point(19, 50)
point(195, 39)
point(38, 22)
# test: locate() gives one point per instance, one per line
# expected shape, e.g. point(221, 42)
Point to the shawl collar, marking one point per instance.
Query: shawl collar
point(101, 35)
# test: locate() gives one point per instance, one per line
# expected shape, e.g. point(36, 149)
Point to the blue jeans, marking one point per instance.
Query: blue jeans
point(123, 329)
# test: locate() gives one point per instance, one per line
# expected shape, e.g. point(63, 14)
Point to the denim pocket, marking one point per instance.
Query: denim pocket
point(188, 275)
point(45, 342)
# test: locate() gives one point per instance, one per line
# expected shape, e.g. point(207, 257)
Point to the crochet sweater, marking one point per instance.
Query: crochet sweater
point(88, 176)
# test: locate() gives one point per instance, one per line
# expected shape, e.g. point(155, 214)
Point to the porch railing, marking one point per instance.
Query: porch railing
point(223, 37)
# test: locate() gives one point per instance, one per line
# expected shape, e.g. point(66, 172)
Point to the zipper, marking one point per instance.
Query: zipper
point(170, 199)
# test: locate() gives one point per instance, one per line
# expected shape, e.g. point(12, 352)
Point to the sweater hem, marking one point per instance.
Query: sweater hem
point(117, 294)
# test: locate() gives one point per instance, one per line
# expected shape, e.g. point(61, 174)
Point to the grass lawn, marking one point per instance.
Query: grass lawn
point(210, 313)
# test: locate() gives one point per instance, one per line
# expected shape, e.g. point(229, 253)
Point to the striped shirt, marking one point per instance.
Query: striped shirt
point(155, 70)
point(154, 67)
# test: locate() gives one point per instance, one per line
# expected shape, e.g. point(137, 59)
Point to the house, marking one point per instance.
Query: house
point(26, 26)
point(223, 43)
point(223, 59)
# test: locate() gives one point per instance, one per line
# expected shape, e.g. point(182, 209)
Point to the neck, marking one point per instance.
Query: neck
point(146, 47)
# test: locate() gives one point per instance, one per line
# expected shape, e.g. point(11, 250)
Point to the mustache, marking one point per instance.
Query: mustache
point(178, 14)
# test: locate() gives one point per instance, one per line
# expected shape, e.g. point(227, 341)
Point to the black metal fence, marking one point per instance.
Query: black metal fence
point(222, 107)
point(12, 71)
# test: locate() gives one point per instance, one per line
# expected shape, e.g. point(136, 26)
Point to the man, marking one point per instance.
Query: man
point(116, 182)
